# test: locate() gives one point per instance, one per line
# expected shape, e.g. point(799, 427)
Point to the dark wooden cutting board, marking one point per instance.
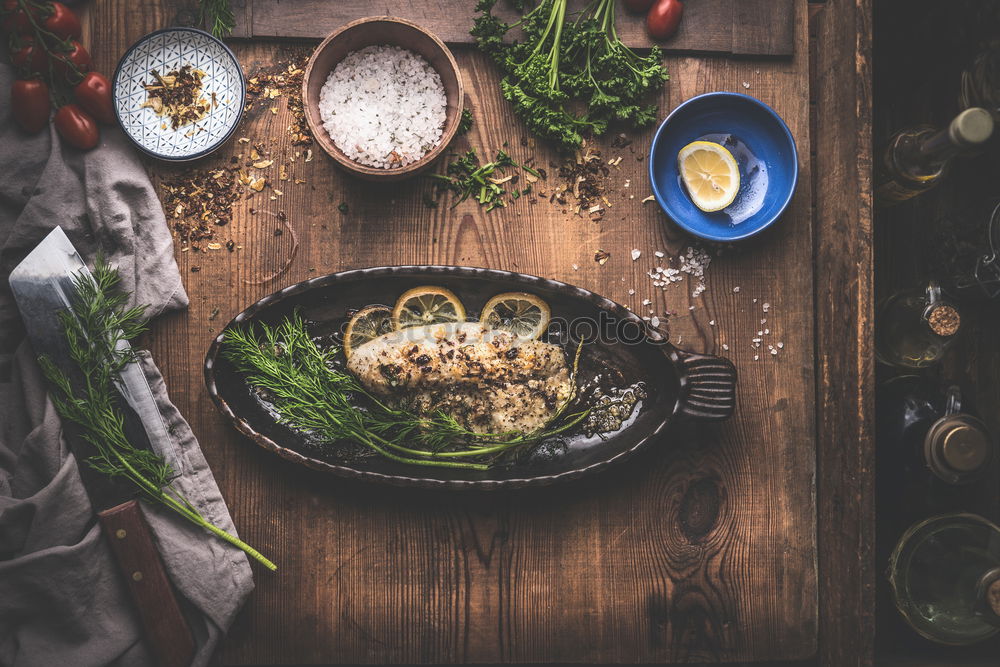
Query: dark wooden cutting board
point(737, 27)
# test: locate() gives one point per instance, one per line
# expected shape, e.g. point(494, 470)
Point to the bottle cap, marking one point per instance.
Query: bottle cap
point(971, 127)
point(958, 448)
point(944, 320)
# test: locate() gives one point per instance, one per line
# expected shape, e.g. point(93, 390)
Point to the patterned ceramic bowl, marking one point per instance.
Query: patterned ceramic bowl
point(167, 50)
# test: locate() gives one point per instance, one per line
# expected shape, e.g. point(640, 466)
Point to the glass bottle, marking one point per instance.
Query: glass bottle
point(916, 157)
point(931, 446)
point(945, 578)
point(914, 328)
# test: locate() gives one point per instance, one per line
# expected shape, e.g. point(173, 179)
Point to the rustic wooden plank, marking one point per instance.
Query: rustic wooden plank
point(243, 13)
point(841, 95)
point(763, 27)
point(758, 27)
point(703, 549)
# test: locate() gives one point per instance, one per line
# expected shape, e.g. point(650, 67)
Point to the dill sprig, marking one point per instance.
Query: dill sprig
point(95, 326)
point(312, 395)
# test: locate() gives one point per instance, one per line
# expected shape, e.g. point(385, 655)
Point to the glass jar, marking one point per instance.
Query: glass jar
point(945, 578)
point(931, 446)
point(914, 328)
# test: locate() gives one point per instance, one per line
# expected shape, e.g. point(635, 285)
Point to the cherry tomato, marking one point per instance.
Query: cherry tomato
point(67, 63)
point(29, 58)
point(29, 103)
point(62, 22)
point(14, 18)
point(94, 95)
point(638, 6)
point(663, 19)
point(77, 127)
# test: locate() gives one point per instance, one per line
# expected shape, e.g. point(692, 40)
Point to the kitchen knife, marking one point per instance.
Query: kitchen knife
point(42, 285)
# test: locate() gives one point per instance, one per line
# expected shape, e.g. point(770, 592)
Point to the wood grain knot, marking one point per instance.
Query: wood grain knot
point(699, 509)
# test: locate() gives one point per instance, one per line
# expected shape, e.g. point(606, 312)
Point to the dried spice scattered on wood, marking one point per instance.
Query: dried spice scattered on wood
point(283, 79)
point(583, 181)
point(199, 200)
point(177, 96)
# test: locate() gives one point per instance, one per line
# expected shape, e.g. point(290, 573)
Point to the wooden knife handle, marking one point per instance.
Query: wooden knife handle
point(132, 543)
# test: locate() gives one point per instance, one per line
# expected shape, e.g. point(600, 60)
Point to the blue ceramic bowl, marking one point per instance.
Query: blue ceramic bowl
point(760, 142)
point(165, 50)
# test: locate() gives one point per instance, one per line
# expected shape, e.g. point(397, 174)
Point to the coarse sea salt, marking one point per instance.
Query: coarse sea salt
point(383, 106)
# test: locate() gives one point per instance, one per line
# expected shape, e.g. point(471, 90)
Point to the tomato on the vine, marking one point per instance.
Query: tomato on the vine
point(29, 103)
point(28, 56)
point(67, 63)
point(663, 19)
point(77, 127)
point(94, 95)
point(62, 22)
point(14, 18)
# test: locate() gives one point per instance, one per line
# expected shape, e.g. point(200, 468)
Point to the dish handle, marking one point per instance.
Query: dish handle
point(709, 386)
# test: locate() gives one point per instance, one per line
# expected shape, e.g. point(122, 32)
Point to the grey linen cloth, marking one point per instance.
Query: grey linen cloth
point(62, 601)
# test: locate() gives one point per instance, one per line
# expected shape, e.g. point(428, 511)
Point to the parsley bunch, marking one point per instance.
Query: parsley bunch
point(570, 77)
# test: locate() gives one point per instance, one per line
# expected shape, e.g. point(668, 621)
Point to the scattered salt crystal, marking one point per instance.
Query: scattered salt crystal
point(725, 347)
point(655, 321)
point(690, 307)
point(766, 307)
point(746, 84)
point(631, 292)
point(711, 323)
point(781, 345)
point(646, 302)
point(767, 332)
point(736, 289)
point(755, 357)
point(635, 254)
point(773, 351)
point(659, 253)
point(576, 267)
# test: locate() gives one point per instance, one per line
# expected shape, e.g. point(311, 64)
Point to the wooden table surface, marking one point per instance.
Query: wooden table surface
point(702, 549)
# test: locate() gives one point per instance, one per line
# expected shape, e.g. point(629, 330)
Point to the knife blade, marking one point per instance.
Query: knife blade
point(50, 269)
point(43, 286)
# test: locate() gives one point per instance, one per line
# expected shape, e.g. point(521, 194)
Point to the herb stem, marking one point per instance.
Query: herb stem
point(93, 327)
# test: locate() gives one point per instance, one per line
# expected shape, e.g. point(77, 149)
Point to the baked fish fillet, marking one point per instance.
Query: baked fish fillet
point(489, 381)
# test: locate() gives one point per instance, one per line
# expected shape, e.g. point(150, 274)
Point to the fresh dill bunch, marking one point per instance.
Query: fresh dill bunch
point(311, 394)
point(217, 16)
point(96, 324)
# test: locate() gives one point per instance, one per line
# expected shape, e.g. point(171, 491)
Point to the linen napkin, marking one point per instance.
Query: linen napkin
point(62, 600)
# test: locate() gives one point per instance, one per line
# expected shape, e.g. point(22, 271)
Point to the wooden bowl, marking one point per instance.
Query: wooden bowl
point(381, 30)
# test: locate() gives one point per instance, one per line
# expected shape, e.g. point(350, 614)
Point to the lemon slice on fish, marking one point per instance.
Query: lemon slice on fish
point(522, 314)
point(427, 305)
point(367, 324)
point(710, 173)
